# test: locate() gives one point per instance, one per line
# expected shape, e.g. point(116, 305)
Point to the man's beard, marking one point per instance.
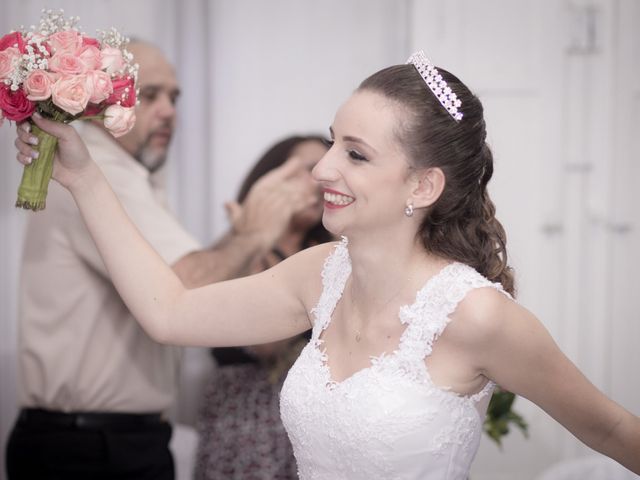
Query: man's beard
point(150, 158)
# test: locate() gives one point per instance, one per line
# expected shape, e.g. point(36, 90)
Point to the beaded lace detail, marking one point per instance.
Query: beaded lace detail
point(387, 420)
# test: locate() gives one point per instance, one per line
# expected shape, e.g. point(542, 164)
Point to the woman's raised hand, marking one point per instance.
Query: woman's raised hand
point(72, 160)
point(272, 202)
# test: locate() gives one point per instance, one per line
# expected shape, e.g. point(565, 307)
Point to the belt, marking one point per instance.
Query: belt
point(88, 420)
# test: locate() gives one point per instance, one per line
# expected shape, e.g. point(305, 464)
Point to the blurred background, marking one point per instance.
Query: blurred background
point(560, 81)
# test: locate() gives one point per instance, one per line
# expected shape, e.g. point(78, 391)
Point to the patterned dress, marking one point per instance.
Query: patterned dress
point(241, 435)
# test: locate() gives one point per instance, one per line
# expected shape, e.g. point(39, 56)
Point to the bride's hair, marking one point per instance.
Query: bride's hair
point(461, 225)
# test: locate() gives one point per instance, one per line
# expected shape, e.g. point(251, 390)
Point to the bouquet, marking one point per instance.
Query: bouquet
point(64, 75)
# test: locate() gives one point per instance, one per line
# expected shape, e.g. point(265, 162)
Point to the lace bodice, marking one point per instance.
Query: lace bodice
point(387, 421)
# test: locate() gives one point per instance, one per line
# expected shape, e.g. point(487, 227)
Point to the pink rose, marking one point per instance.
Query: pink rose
point(100, 84)
point(124, 92)
point(71, 93)
point(65, 41)
point(67, 64)
point(13, 40)
point(119, 120)
point(38, 85)
point(15, 105)
point(112, 61)
point(9, 59)
point(90, 41)
point(90, 56)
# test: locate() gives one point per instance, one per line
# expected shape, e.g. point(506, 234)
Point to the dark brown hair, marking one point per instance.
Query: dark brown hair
point(461, 225)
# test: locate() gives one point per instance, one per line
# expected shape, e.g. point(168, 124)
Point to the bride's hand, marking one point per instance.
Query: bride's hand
point(72, 160)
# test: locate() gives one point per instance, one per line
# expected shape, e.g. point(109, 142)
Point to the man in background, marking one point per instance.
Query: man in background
point(94, 387)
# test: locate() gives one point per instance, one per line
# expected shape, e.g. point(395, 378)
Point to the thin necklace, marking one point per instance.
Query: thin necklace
point(358, 333)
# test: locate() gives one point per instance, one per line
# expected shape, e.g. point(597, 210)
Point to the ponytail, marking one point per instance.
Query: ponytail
point(464, 228)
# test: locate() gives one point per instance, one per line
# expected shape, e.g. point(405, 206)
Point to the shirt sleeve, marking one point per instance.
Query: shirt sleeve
point(154, 221)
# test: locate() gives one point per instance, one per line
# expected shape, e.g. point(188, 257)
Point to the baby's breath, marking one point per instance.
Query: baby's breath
point(53, 21)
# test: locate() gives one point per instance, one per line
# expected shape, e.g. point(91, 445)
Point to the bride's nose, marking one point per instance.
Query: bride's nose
point(326, 170)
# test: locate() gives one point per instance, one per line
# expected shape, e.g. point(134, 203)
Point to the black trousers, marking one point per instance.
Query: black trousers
point(46, 445)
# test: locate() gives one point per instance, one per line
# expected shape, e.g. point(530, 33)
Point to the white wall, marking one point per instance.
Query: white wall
point(284, 66)
point(562, 122)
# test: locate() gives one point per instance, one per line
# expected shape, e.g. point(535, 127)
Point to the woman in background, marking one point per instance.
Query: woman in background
point(241, 435)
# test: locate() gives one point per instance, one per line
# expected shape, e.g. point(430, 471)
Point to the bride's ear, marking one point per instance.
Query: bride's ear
point(429, 185)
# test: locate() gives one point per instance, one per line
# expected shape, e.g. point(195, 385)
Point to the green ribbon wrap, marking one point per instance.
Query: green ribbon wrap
point(32, 192)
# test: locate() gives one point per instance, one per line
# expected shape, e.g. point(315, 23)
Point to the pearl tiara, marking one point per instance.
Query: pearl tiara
point(436, 84)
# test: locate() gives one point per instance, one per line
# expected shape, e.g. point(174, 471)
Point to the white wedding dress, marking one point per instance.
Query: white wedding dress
point(387, 421)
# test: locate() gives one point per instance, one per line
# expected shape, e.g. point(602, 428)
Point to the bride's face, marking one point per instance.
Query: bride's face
point(365, 174)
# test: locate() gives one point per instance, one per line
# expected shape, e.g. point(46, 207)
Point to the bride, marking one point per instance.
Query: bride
point(412, 316)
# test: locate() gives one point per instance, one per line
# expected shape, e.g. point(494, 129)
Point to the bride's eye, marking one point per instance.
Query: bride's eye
point(355, 155)
point(327, 143)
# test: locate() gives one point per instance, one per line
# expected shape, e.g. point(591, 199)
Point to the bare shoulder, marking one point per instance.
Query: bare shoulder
point(310, 258)
point(486, 314)
point(503, 339)
point(303, 271)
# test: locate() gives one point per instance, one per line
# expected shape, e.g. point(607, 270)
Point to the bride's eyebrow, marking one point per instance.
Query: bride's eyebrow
point(349, 138)
point(352, 139)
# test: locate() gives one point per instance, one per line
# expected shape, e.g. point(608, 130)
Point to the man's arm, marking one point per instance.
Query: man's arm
point(229, 258)
point(256, 227)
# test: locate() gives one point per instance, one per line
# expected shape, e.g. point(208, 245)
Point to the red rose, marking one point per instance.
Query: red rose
point(13, 40)
point(90, 41)
point(93, 109)
point(15, 105)
point(123, 91)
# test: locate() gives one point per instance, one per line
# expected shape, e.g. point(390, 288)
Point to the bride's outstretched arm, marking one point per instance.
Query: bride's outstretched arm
point(513, 348)
point(262, 308)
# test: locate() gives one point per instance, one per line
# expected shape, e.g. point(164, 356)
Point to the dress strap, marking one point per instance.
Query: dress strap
point(486, 390)
point(336, 271)
point(429, 315)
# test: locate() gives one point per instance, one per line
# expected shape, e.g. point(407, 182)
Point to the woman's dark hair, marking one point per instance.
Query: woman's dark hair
point(273, 158)
point(461, 225)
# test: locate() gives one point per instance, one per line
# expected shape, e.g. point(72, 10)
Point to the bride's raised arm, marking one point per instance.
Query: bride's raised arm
point(269, 306)
point(262, 308)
